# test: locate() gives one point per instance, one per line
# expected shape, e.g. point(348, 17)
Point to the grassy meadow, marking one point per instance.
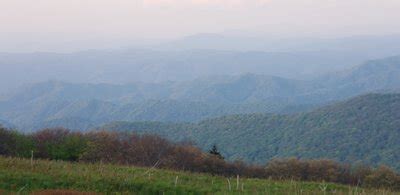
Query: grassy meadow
point(23, 176)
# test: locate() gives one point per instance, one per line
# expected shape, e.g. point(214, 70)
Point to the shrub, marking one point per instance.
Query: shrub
point(154, 151)
point(383, 177)
point(58, 144)
point(102, 146)
point(7, 142)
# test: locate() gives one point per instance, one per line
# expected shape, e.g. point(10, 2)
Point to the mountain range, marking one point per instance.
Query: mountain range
point(84, 106)
point(196, 56)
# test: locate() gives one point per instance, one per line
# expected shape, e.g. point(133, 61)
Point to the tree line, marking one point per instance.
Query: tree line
point(154, 151)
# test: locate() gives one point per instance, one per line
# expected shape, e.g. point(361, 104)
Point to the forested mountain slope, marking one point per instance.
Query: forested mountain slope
point(365, 129)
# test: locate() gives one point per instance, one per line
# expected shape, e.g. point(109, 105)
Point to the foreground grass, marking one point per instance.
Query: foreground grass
point(23, 176)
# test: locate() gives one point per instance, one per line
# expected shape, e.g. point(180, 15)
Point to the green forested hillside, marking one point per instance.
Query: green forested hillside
point(365, 129)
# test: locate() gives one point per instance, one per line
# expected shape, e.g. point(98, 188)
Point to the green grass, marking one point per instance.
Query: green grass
point(19, 175)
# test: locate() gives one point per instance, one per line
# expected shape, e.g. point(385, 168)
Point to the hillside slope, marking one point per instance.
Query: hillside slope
point(364, 129)
point(50, 177)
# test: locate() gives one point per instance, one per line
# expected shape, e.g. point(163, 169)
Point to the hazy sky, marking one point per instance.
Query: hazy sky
point(48, 23)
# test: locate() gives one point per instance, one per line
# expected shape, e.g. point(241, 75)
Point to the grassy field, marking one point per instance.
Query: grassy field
point(40, 177)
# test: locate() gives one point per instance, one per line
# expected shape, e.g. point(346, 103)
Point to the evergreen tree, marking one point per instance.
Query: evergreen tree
point(215, 152)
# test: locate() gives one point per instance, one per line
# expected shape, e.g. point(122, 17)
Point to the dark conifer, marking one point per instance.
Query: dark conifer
point(215, 152)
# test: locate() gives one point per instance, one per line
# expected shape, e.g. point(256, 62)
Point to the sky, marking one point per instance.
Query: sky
point(74, 24)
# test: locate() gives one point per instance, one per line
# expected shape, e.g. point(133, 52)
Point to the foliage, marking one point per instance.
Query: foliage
point(383, 177)
point(156, 152)
point(59, 144)
point(214, 151)
point(13, 143)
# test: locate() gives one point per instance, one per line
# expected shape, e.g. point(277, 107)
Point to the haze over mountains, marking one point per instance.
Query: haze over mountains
point(84, 106)
point(368, 44)
point(197, 56)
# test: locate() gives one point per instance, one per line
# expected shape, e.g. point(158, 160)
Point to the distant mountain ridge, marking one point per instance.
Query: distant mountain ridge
point(364, 129)
point(197, 56)
point(52, 102)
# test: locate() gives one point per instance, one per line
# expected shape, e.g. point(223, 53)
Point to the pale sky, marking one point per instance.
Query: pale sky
point(116, 21)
